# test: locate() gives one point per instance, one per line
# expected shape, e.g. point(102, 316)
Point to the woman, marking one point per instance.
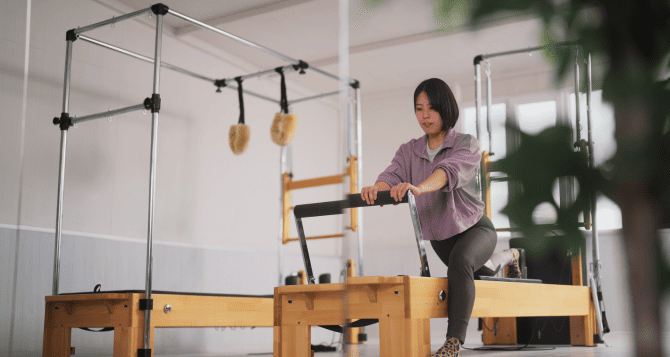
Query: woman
point(440, 168)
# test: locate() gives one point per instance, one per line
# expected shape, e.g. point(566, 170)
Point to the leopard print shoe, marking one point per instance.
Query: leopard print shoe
point(451, 348)
point(513, 270)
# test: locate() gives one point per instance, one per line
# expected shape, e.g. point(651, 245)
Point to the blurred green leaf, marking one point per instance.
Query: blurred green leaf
point(537, 164)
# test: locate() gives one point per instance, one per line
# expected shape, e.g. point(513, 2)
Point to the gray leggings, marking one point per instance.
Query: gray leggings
point(463, 254)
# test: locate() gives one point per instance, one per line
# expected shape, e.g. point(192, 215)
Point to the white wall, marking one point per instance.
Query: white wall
point(216, 214)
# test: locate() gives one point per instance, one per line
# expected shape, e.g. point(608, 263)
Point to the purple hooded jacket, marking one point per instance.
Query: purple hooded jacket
point(453, 208)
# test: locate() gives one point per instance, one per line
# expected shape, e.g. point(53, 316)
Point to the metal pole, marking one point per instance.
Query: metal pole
point(594, 227)
point(359, 183)
point(252, 44)
point(529, 49)
point(280, 250)
point(286, 69)
point(416, 222)
point(152, 181)
point(231, 36)
point(489, 104)
point(577, 115)
point(113, 20)
point(478, 109)
point(478, 97)
point(314, 97)
point(174, 68)
point(61, 168)
point(110, 113)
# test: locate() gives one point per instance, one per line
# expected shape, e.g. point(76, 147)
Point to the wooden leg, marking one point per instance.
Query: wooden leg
point(404, 337)
point(420, 337)
point(582, 328)
point(292, 341)
point(128, 340)
point(57, 341)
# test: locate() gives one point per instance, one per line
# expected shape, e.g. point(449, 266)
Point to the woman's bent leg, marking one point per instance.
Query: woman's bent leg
point(463, 254)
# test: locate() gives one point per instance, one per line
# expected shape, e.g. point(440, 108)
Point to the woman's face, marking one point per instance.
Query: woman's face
point(429, 119)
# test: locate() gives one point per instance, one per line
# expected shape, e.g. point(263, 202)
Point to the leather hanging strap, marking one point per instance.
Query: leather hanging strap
point(283, 101)
point(239, 94)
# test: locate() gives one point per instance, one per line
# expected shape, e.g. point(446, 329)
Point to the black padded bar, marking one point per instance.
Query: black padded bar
point(383, 198)
point(319, 209)
point(336, 207)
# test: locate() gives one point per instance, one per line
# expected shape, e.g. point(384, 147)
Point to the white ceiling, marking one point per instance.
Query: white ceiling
point(393, 46)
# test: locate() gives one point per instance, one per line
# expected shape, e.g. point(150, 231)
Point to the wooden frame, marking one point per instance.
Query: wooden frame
point(289, 185)
point(404, 306)
point(122, 312)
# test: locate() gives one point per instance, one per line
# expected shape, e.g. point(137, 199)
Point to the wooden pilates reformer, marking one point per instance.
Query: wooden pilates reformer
point(404, 305)
point(123, 311)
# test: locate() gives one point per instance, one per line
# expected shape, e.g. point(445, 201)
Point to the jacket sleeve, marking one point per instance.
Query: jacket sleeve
point(396, 173)
point(461, 164)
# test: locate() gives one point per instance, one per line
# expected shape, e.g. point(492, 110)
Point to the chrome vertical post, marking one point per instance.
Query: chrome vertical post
point(478, 97)
point(359, 181)
point(595, 245)
point(280, 249)
point(61, 168)
point(478, 100)
point(577, 113)
point(594, 230)
point(489, 105)
point(152, 180)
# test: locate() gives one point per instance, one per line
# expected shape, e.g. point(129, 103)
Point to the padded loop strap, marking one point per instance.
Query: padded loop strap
point(284, 100)
point(239, 95)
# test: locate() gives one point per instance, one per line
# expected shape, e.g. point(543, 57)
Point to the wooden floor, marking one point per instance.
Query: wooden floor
point(620, 345)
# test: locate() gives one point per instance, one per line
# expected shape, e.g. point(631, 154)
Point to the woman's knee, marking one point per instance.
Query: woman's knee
point(460, 263)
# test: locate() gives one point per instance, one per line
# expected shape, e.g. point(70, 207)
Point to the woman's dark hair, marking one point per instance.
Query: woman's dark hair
point(441, 100)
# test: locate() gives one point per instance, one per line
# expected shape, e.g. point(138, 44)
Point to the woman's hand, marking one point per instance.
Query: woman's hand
point(398, 191)
point(369, 193)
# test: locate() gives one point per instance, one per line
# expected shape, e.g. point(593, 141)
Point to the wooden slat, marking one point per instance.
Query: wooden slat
point(315, 182)
point(90, 313)
point(81, 297)
point(363, 280)
point(340, 235)
point(286, 209)
point(501, 299)
point(212, 311)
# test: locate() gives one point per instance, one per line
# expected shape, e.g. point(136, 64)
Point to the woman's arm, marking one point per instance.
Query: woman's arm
point(434, 182)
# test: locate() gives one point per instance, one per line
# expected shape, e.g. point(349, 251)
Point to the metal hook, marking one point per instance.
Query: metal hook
point(109, 118)
point(488, 67)
point(113, 21)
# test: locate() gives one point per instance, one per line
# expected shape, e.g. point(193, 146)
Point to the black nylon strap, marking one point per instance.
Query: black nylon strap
point(239, 94)
point(357, 323)
point(284, 100)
